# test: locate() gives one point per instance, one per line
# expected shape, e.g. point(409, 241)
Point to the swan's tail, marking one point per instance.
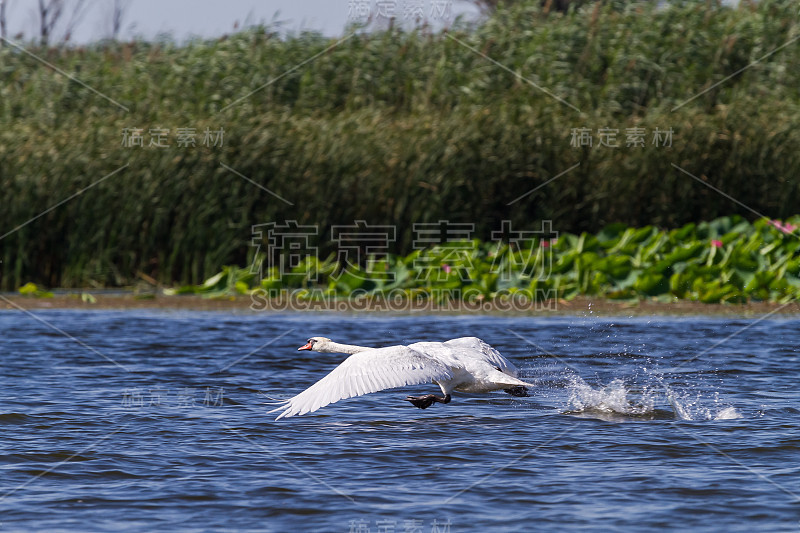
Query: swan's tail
point(511, 381)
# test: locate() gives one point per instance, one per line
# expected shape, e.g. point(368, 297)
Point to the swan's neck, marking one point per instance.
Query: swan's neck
point(335, 347)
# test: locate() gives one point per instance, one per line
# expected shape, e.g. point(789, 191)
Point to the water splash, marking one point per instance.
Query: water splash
point(697, 407)
point(654, 399)
point(729, 413)
point(612, 398)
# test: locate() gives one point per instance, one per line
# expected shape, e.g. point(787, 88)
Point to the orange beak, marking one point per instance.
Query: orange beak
point(306, 346)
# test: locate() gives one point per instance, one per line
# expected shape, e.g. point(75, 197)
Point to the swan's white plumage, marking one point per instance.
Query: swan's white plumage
point(466, 364)
point(478, 349)
point(364, 372)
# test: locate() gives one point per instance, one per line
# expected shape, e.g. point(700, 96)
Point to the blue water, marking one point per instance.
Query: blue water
point(620, 434)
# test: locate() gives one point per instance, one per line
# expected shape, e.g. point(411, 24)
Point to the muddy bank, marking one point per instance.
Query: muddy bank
point(578, 306)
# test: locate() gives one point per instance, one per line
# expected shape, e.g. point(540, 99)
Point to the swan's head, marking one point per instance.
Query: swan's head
point(317, 344)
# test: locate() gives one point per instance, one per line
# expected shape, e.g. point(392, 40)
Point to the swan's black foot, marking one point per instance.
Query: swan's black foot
point(423, 402)
point(518, 391)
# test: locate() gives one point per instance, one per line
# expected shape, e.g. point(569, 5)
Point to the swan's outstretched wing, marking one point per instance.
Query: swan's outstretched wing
point(477, 349)
point(365, 372)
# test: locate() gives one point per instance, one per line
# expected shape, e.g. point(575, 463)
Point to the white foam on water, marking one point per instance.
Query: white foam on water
point(613, 398)
point(729, 413)
point(698, 407)
point(620, 398)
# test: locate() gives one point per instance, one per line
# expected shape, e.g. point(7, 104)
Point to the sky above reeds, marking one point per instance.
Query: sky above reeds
point(182, 19)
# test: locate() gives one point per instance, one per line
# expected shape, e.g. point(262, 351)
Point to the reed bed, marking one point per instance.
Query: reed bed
point(393, 127)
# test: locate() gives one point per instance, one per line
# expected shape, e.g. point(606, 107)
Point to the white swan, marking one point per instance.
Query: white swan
point(466, 364)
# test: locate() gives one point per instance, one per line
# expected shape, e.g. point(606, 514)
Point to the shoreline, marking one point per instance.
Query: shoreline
point(580, 306)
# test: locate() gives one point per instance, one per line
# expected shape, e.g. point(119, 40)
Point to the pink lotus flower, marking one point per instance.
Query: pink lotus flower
point(716, 244)
point(786, 228)
point(446, 268)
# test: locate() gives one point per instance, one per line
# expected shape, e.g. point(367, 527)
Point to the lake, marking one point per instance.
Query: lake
point(157, 420)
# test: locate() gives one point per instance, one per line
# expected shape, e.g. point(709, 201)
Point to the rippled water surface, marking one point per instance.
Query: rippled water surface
point(143, 421)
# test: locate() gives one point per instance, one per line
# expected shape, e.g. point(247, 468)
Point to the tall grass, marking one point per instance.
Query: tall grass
point(394, 128)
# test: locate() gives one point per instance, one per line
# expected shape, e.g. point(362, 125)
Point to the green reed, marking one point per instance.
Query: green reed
point(395, 128)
